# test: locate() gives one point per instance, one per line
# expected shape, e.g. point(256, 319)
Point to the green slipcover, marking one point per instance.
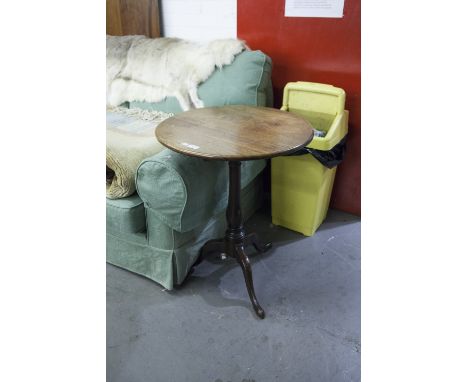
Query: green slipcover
point(126, 215)
point(165, 255)
point(180, 201)
point(247, 81)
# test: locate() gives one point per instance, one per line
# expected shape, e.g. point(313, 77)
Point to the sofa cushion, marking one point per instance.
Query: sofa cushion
point(247, 81)
point(125, 215)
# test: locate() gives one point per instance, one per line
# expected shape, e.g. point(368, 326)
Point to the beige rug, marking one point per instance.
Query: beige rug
point(130, 139)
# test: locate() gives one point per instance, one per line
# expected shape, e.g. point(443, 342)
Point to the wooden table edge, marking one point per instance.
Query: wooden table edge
point(196, 154)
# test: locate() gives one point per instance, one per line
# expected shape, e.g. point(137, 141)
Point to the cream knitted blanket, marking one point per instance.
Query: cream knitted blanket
point(130, 139)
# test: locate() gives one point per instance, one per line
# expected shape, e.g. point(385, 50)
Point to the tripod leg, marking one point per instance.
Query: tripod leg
point(244, 262)
point(216, 245)
point(252, 238)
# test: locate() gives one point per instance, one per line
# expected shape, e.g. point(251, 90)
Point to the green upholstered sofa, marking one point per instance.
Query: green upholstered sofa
point(180, 201)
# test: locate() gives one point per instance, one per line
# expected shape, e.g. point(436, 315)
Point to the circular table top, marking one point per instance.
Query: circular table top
point(235, 132)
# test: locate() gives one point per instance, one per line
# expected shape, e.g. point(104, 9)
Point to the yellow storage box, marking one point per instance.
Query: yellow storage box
point(300, 185)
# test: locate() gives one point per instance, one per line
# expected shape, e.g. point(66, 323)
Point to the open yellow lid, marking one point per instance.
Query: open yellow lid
point(313, 96)
point(323, 106)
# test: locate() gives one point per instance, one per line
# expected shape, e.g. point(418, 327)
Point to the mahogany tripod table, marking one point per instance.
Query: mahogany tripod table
point(234, 134)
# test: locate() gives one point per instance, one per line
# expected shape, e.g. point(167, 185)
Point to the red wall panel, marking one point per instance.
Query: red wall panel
point(324, 50)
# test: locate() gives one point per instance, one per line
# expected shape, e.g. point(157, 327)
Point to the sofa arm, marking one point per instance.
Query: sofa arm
point(185, 191)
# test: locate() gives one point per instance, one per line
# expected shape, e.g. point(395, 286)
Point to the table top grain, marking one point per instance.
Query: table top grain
point(236, 132)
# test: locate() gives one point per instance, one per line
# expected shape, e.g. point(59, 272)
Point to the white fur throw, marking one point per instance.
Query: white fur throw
point(146, 69)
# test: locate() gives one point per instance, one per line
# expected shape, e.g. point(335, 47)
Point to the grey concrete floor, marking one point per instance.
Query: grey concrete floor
point(206, 330)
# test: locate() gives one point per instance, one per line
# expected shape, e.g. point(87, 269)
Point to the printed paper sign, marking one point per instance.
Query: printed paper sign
point(314, 8)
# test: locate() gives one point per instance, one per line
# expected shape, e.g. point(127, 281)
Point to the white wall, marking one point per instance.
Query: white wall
point(199, 20)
